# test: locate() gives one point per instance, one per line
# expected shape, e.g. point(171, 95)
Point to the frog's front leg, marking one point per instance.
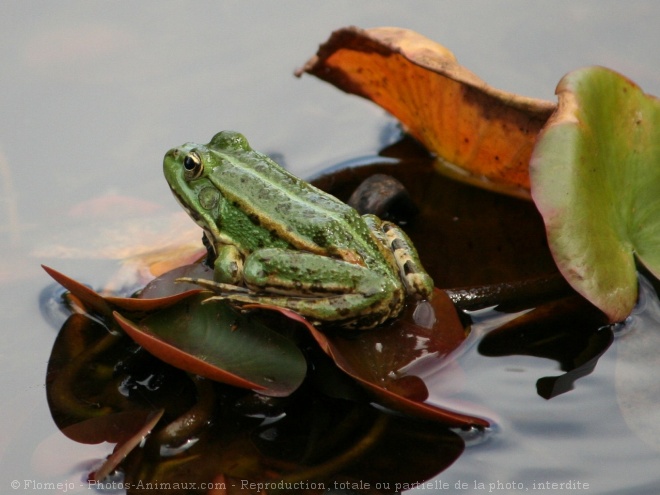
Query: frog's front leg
point(228, 265)
point(323, 289)
point(418, 283)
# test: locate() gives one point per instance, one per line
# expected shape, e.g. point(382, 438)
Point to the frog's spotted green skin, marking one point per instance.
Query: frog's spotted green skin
point(281, 241)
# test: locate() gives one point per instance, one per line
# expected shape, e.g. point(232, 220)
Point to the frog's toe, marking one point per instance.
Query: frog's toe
point(218, 287)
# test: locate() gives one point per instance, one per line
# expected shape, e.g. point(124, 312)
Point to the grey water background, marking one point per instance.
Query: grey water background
point(93, 93)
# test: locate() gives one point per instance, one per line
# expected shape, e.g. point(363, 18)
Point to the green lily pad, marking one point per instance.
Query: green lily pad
point(215, 341)
point(595, 176)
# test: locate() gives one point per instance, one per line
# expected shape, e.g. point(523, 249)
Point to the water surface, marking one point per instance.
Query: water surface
point(93, 94)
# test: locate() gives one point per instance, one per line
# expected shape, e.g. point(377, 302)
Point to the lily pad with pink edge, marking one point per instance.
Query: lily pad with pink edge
point(595, 178)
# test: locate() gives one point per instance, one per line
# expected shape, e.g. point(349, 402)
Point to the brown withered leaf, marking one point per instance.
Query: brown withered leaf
point(479, 134)
point(388, 361)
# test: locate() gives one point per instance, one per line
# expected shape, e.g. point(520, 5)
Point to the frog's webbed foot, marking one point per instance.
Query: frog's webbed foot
point(405, 257)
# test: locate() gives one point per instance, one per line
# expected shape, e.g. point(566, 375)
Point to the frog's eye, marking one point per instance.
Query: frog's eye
point(193, 166)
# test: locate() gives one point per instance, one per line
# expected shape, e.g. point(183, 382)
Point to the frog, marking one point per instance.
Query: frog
point(279, 241)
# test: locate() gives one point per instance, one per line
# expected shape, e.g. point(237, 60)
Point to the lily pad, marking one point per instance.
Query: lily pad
point(104, 305)
point(392, 362)
point(595, 177)
point(211, 340)
point(102, 388)
point(479, 134)
point(215, 341)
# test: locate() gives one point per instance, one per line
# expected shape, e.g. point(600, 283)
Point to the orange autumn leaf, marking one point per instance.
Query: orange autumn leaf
point(480, 134)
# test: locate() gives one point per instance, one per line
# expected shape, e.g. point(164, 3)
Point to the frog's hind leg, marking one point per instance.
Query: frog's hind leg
point(323, 289)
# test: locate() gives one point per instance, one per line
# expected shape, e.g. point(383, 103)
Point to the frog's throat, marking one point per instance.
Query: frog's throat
point(210, 229)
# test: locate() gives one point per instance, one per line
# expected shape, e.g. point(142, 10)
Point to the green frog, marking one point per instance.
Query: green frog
point(280, 241)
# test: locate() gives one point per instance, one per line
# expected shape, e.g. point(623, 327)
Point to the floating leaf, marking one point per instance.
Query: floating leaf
point(391, 361)
point(104, 305)
point(215, 341)
point(200, 338)
point(211, 431)
point(480, 134)
point(166, 285)
point(596, 181)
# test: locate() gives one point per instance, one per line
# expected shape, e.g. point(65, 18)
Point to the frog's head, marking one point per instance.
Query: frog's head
point(188, 169)
point(184, 172)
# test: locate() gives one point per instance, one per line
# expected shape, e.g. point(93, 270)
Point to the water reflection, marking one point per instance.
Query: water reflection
point(102, 387)
point(570, 331)
point(638, 348)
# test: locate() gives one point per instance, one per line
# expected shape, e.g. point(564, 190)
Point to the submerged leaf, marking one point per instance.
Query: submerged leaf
point(480, 134)
point(596, 181)
point(125, 447)
point(217, 342)
point(101, 387)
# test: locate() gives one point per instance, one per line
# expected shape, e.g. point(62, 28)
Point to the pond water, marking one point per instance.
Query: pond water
point(93, 94)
